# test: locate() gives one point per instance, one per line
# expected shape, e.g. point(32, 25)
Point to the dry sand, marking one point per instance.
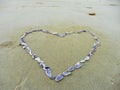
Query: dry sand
point(19, 72)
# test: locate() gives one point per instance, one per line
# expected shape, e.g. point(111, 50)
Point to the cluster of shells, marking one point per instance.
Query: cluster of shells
point(47, 70)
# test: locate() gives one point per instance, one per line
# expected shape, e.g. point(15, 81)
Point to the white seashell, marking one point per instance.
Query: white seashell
point(54, 33)
point(37, 59)
point(82, 61)
point(87, 58)
point(27, 49)
point(30, 52)
point(66, 73)
point(24, 44)
point(45, 31)
point(95, 37)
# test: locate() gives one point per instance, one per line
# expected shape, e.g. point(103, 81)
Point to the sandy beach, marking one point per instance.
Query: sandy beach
point(18, 71)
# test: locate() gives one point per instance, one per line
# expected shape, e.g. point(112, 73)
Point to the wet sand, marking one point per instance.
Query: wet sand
point(18, 71)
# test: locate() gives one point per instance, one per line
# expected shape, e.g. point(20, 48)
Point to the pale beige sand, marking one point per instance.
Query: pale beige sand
point(19, 72)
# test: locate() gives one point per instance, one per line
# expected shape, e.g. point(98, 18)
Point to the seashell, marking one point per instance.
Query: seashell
point(92, 13)
point(45, 31)
point(42, 65)
point(78, 65)
point(24, 34)
point(71, 68)
point(82, 61)
point(22, 39)
point(27, 49)
point(48, 73)
point(92, 51)
point(34, 56)
point(23, 44)
point(87, 58)
point(94, 46)
point(24, 47)
point(38, 60)
point(61, 35)
point(30, 52)
point(59, 77)
point(97, 42)
point(54, 33)
point(96, 38)
point(66, 73)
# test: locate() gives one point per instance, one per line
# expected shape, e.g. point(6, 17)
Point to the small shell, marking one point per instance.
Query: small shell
point(24, 34)
point(30, 52)
point(82, 61)
point(42, 65)
point(94, 46)
point(59, 77)
point(90, 54)
point(61, 35)
point(27, 49)
point(66, 73)
point(22, 39)
point(97, 42)
point(92, 50)
point(24, 47)
point(71, 68)
point(34, 56)
point(54, 33)
point(95, 37)
point(23, 44)
point(48, 73)
point(87, 58)
point(78, 65)
point(45, 31)
point(38, 60)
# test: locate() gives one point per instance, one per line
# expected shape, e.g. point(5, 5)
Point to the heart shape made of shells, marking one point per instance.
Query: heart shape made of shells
point(69, 70)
